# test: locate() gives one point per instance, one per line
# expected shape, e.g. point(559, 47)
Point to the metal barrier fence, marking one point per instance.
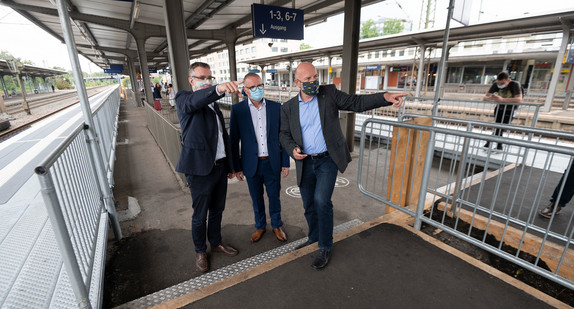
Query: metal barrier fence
point(164, 127)
point(73, 181)
point(444, 177)
point(524, 114)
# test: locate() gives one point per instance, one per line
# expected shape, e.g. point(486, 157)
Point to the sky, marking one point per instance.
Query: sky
point(25, 40)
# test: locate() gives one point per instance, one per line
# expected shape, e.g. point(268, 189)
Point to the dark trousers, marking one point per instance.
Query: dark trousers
point(208, 194)
point(272, 181)
point(317, 184)
point(568, 190)
point(502, 114)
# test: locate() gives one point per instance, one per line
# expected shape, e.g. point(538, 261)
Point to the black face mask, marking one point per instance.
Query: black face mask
point(310, 88)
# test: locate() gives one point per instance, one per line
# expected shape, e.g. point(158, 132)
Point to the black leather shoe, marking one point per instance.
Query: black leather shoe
point(303, 245)
point(321, 259)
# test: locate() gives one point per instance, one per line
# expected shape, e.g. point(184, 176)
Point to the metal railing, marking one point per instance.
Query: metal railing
point(164, 127)
point(71, 182)
point(523, 114)
point(444, 177)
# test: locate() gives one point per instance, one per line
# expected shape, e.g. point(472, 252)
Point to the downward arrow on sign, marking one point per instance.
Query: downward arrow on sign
point(262, 30)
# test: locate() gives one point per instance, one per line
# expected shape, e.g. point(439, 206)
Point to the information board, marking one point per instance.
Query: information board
point(277, 22)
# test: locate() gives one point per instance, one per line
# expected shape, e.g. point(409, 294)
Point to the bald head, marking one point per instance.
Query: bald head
point(305, 72)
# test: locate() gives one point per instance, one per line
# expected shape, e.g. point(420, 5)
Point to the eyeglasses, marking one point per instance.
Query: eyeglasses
point(259, 87)
point(202, 78)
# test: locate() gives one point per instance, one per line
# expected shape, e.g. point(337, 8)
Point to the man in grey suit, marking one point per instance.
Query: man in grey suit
point(320, 149)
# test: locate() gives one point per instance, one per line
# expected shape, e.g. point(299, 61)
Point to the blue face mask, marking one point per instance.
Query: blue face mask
point(310, 88)
point(204, 84)
point(256, 94)
point(501, 86)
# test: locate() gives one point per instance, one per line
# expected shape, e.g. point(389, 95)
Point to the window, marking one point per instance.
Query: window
point(273, 40)
point(284, 40)
point(453, 76)
point(490, 74)
point(274, 49)
point(472, 75)
point(284, 49)
point(392, 53)
point(253, 49)
point(401, 52)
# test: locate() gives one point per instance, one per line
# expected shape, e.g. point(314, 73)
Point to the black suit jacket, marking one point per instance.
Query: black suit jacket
point(199, 131)
point(330, 101)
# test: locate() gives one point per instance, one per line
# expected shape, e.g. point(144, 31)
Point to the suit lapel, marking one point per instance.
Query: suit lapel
point(297, 134)
point(322, 106)
point(246, 114)
point(267, 117)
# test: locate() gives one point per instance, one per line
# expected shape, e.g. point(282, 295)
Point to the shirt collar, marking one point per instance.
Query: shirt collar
point(251, 103)
point(301, 99)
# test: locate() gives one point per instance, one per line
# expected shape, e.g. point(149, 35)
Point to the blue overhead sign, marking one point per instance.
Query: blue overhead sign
point(271, 71)
point(111, 71)
point(117, 67)
point(570, 57)
point(277, 22)
point(152, 70)
point(373, 67)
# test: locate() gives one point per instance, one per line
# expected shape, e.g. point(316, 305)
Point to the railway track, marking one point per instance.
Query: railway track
point(16, 108)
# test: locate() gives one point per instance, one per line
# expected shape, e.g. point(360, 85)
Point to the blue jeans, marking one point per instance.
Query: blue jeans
point(265, 175)
point(317, 184)
point(208, 194)
point(568, 191)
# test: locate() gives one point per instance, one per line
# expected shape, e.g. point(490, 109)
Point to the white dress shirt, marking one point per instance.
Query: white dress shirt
point(220, 153)
point(259, 120)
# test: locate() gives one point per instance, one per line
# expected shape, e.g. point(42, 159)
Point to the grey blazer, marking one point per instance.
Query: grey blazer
point(330, 101)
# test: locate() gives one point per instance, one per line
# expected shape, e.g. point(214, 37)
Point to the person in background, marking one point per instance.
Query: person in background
point(255, 125)
point(157, 91)
point(310, 132)
point(205, 158)
point(503, 90)
point(565, 197)
point(171, 96)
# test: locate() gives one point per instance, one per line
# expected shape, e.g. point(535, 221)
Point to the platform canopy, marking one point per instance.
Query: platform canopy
point(105, 30)
point(30, 70)
point(518, 27)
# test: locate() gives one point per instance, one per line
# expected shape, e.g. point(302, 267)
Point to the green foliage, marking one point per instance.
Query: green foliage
point(156, 80)
point(393, 26)
point(5, 55)
point(369, 30)
point(64, 82)
point(304, 46)
point(126, 82)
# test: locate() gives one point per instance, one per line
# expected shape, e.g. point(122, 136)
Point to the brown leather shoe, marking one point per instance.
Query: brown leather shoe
point(225, 249)
point(281, 236)
point(201, 262)
point(547, 212)
point(257, 235)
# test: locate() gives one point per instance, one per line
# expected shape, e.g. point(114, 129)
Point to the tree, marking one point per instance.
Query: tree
point(5, 55)
point(304, 46)
point(369, 30)
point(392, 26)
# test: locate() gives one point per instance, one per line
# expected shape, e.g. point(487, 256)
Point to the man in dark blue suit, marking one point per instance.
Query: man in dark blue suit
point(255, 123)
point(205, 158)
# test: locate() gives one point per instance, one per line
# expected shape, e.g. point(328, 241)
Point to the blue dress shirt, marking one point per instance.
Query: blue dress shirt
point(313, 140)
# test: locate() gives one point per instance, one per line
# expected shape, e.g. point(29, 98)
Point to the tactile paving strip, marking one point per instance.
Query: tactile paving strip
point(223, 273)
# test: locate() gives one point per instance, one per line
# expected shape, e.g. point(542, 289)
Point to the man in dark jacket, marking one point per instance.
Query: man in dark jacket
point(320, 149)
point(205, 158)
point(255, 125)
